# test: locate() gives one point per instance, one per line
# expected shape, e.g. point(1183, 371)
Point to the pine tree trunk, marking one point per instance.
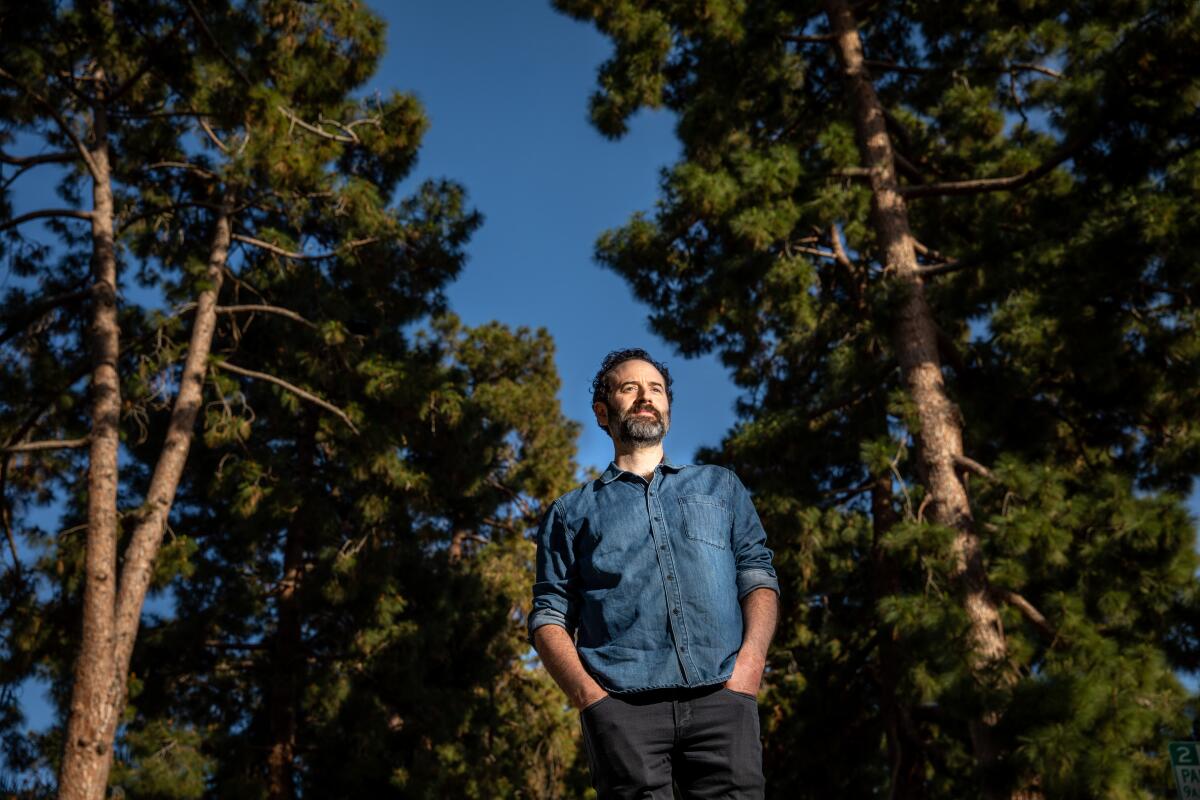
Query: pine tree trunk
point(110, 629)
point(287, 656)
point(88, 751)
point(939, 439)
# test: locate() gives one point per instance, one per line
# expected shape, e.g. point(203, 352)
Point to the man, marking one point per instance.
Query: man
point(662, 572)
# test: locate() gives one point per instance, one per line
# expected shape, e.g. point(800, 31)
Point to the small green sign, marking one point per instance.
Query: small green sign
point(1185, 762)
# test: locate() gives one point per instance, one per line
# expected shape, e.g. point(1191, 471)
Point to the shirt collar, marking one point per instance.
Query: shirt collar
point(613, 472)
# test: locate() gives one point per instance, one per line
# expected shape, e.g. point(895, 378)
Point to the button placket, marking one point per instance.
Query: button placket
point(670, 585)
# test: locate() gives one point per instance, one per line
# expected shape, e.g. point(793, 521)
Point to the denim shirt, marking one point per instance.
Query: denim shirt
point(649, 576)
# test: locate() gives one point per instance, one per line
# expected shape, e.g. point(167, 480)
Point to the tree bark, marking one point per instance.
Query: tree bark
point(914, 339)
point(110, 629)
point(287, 660)
point(88, 751)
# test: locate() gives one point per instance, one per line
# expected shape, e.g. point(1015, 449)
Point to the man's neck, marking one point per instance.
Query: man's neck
point(639, 461)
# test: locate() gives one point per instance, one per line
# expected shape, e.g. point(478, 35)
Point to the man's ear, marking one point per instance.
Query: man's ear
point(601, 411)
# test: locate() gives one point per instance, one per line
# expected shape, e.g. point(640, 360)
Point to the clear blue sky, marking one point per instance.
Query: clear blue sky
point(506, 87)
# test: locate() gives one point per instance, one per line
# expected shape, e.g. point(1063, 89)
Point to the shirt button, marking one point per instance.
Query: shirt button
point(670, 577)
point(677, 612)
point(663, 547)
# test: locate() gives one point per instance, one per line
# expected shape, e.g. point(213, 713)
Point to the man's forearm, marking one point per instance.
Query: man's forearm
point(760, 611)
point(561, 660)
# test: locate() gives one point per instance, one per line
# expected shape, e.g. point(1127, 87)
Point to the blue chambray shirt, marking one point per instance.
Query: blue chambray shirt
point(648, 576)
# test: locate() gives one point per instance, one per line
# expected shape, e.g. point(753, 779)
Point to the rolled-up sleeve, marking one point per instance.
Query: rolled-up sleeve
point(751, 554)
point(555, 592)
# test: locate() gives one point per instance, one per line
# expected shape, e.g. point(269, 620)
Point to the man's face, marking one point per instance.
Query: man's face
point(638, 412)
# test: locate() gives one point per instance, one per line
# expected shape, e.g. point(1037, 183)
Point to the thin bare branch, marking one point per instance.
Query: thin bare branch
point(279, 251)
point(183, 165)
point(820, 38)
point(347, 135)
point(1028, 610)
point(66, 129)
point(43, 158)
point(1036, 68)
point(971, 465)
point(46, 213)
point(296, 390)
point(48, 444)
point(158, 212)
point(839, 250)
point(845, 494)
point(1009, 183)
point(266, 309)
point(6, 518)
point(908, 69)
point(816, 251)
point(211, 135)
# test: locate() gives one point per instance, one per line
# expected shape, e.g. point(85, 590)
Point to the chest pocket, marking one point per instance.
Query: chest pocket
point(705, 519)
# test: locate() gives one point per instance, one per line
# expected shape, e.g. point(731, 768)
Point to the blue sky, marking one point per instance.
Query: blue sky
point(506, 87)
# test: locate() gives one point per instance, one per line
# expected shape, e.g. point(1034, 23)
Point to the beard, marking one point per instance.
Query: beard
point(640, 431)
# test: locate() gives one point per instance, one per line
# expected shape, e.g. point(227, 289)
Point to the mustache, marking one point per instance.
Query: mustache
point(644, 407)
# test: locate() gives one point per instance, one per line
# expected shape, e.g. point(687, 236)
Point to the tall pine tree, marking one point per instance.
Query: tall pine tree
point(246, 279)
point(949, 251)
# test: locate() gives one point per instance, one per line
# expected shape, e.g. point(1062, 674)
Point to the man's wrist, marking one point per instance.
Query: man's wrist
point(587, 695)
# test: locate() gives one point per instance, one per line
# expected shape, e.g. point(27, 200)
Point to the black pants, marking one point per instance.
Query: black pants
point(705, 740)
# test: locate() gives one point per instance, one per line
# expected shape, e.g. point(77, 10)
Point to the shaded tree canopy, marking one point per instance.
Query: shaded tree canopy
point(1025, 340)
point(229, 360)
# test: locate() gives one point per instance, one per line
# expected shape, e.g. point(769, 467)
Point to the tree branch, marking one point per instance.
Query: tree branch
point(44, 158)
point(892, 66)
point(157, 212)
point(971, 465)
point(80, 147)
point(1009, 183)
point(820, 38)
point(266, 309)
point(211, 135)
point(349, 136)
point(279, 251)
point(296, 390)
point(44, 214)
point(20, 320)
point(1027, 609)
point(184, 165)
point(49, 444)
point(1036, 68)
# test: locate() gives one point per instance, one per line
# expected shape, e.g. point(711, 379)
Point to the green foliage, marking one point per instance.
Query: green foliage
point(1069, 343)
point(351, 599)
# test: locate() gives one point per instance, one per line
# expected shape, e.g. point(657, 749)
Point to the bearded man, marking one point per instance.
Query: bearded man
point(654, 605)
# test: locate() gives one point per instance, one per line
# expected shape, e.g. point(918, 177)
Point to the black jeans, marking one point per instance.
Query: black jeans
point(705, 740)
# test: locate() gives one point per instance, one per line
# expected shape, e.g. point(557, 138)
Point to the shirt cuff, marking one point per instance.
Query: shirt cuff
point(546, 616)
point(750, 579)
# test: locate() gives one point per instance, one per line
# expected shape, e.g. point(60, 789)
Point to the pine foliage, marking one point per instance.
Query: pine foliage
point(1065, 299)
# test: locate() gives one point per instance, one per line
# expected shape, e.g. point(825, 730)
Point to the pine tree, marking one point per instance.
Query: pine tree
point(948, 250)
point(248, 269)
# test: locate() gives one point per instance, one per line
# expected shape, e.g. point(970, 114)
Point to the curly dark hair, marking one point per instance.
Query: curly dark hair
point(600, 387)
